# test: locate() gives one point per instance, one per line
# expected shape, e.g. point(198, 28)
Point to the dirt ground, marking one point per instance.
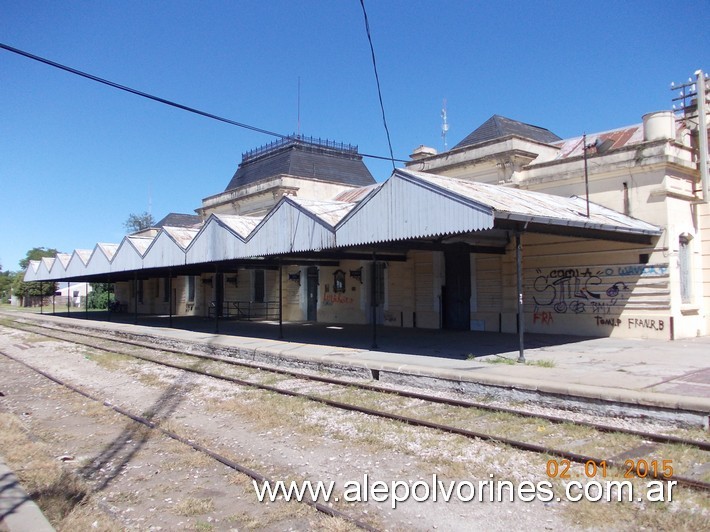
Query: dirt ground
point(124, 476)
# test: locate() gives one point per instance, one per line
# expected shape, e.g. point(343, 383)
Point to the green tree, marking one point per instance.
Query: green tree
point(138, 222)
point(99, 296)
point(37, 254)
point(6, 280)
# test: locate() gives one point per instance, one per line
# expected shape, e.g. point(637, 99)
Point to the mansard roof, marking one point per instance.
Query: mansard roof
point(304, 157)
point(497, 127)
point(175, 219)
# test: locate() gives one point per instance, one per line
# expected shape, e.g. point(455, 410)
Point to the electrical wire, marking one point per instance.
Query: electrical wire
point(377, 80)
point(166, 101)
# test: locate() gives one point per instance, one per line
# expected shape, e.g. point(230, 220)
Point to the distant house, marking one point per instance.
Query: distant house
point(77, 293)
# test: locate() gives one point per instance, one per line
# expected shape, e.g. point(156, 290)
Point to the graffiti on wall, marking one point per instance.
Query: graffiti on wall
point(599, 291)
point(338, 299)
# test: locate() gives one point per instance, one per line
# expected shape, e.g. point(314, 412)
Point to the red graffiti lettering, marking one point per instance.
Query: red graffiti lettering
point(544, 318)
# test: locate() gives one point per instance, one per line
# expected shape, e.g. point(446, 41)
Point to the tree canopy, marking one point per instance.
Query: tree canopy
point(6, 280)
point(138, 222)
point(36, 254)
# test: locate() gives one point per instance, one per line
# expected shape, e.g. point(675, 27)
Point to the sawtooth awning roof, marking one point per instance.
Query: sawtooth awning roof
point(409, 207)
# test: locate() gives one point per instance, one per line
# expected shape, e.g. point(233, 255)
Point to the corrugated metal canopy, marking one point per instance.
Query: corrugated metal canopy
point(408, 209)
point(527, 206)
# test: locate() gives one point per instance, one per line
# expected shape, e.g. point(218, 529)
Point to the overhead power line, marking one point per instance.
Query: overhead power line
point(162, 100)
point(377, 80)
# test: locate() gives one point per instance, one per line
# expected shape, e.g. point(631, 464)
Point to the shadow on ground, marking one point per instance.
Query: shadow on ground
point(427, 342)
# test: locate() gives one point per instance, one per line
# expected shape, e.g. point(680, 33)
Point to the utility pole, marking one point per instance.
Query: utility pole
point(693, 103)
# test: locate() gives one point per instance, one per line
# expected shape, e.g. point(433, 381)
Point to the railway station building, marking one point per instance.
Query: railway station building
point(495, 234)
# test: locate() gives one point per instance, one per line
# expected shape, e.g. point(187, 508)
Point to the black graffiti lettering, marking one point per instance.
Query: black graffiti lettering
point(613, 322)
point(577, 307)
point(542, 287)
point(613, 290)
point(560, 307)
point(646, 323)
point(570, 272)
point(575, 289)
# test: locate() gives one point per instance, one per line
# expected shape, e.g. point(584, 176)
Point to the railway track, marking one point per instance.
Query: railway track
point(649, 436)
point(641, 467)
point(236, 466)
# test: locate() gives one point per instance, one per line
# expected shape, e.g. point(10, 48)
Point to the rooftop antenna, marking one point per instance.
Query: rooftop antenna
point(298, 125)
point(444, 124)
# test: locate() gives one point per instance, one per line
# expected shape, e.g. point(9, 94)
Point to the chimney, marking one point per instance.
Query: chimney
point(422, 152)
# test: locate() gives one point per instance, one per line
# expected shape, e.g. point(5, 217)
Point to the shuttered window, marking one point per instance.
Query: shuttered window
point(259, 286)
point(191, 288)
point(686, 285)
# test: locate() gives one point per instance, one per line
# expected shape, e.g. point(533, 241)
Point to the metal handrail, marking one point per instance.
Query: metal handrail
point(246, 310)
point(299, 139)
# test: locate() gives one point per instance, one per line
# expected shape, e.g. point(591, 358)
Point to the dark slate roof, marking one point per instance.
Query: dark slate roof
point(175, 219)
point(497, 127)
point(303, 157)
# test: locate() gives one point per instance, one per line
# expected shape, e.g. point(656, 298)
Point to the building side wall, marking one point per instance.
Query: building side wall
point(704, 247)
point(428, 278)
point(402, 298)
point(258, 198)
point(595, 288)
point(488, 292)
point(351, 306)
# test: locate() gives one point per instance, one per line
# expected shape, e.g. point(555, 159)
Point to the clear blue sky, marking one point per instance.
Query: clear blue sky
point(76, 157)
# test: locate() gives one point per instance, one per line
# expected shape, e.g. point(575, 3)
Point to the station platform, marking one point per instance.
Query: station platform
point(672, 375)
point(18, 513)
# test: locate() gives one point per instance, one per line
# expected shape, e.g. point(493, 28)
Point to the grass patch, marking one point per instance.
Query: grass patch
point(149, 379)
point(544, 363)
point(63, 498)
point(110, 361)
point(500, 360)
point(193, 506)
point(203, 526)
point(193, 459)
point(266, 409)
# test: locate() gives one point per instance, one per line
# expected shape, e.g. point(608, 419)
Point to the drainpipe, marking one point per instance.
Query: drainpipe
point(701, 85)
point(170, 296)
point(281, 301)
point(374, 300)
point(521, 317)
point(217, 305)
point(135, 297)
point(586, 171)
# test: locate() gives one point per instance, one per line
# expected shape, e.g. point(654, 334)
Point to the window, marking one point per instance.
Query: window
point(258, 286)
point(191, 288)
point(339, 281)
point(684, 259)
point(378, 285)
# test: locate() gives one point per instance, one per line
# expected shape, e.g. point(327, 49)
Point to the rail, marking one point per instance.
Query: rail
point(246, 310)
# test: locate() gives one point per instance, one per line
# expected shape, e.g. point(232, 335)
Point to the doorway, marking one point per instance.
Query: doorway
point(219, 294)
point(456, 292)
point(312, 293)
